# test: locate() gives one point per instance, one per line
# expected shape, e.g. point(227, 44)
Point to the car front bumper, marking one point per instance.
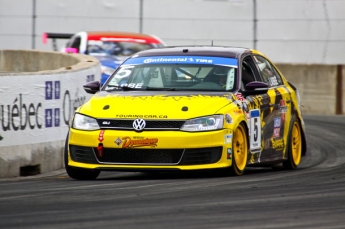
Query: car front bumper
point(149, 150)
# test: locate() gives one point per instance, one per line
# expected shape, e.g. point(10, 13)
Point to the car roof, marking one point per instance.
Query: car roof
point(221, 51)
point(123, 36)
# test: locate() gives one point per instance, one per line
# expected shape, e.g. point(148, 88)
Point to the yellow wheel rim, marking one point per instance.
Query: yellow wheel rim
point(240, 148)
point(296, 143)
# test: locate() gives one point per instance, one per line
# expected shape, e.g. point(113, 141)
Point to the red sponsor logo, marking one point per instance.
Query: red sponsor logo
point(101, 136)
point(276, 132)
point(239, 96)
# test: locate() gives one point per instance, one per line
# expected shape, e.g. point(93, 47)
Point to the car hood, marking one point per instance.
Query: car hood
point(154, 106)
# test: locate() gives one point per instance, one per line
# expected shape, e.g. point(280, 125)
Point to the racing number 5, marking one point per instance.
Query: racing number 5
point(255, 130)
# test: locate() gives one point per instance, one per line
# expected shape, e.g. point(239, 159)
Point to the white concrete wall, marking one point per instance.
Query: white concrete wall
point(37, 105)
point(316, 85)
point(294, 31)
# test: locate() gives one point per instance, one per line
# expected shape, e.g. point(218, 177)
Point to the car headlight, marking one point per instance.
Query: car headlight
point(107, 70)
point(83, 122)
point(214, 122)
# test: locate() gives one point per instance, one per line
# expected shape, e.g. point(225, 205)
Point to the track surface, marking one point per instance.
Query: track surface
point(311, 197)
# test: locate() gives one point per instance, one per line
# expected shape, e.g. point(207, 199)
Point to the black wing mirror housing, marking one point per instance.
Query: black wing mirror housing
point(92, 87)
point(256, 88)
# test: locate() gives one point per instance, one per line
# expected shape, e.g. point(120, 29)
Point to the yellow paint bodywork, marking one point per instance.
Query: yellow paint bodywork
point(129, 106)
point(160, 107)
point(153, 107)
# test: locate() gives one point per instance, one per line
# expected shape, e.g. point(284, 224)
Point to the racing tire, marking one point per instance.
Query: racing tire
point(239, 151)
point(294, 147)
point(78, 173)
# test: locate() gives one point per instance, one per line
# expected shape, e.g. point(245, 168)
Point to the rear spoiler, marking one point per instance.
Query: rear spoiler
point(55, 36)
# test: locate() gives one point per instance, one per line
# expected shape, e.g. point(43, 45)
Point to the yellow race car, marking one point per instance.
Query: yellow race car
point(187, 108)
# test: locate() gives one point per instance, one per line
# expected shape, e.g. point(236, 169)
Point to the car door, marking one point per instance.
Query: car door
point(276, 120)
point(258, 112)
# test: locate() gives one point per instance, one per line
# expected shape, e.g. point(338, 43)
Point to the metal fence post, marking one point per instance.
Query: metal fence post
point(339, 91)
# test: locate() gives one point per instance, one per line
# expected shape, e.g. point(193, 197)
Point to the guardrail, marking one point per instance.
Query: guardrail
point(39, 92)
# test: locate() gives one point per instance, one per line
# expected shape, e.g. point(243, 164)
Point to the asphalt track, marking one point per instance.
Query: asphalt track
point(311, 197)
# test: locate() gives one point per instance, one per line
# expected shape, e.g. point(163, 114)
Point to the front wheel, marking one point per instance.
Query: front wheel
point(78, 173)
point(294, 148)
point(239, 151)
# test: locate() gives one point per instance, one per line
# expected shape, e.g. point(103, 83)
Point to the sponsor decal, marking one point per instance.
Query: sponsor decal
point(283, 109)
point(227, 138)
point(118, 141)
point(276, 129)
point(238, 112)
point(277, 122)
point(276, 132)
point(131, 85)
point(277, 144)
point(241, 102)
point(46, 105)
point(182, 60)
point(229, 154)
point(239, 96)
point(127, 142)
point(273, 81)
point(101, 136)
point(106, 123)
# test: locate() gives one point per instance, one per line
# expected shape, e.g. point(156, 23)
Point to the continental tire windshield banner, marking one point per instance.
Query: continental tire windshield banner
point(182, 60)
point(38, 108)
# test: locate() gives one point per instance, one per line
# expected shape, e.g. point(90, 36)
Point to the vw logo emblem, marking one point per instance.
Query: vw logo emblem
point(139, 124)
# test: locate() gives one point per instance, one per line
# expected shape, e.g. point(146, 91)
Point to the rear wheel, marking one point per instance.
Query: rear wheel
point(294, 148)
point(239, 151)
point(78, 173)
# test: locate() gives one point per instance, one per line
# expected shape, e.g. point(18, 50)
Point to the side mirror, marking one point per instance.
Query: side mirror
point(92, 87)
point(256, 88)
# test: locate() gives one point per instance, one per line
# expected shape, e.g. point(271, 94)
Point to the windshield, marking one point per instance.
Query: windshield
point(117, 48)
point(186, 77)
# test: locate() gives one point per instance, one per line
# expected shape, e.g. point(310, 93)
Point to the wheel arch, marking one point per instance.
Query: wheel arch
point(304, 139)
point(245, 125)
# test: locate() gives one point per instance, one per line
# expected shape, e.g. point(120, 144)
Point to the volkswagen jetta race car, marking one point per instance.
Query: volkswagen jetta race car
point(110, 48)
point(188, 108)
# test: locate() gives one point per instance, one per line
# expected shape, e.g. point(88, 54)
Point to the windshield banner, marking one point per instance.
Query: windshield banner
point(183, 60)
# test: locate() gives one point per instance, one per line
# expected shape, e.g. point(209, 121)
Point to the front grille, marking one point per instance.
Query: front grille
point(146, 156)
point(83, 154)
point(150, 124)
point(201, 156)
point(141, 156)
